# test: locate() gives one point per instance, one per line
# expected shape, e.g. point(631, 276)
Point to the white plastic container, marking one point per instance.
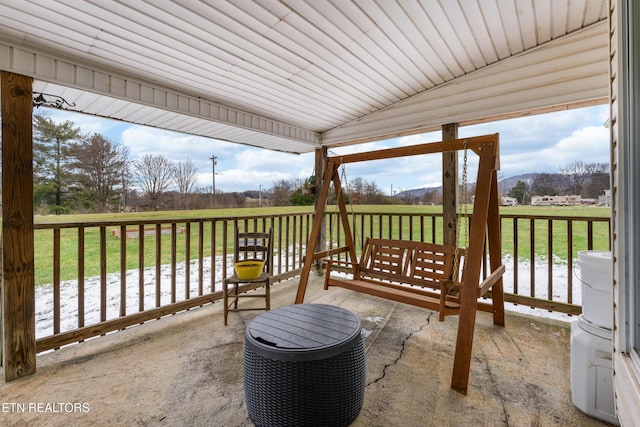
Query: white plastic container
point(592, 370)
point(596, 275)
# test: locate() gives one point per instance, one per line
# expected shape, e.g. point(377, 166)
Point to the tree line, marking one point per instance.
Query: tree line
point(81, 172)
point(76, 172)
point(589, 180)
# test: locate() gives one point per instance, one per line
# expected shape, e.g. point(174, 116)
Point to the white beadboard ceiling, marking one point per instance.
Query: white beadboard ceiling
point(295, 75)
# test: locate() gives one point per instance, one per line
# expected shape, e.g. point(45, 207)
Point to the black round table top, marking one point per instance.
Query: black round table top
point(303, 332)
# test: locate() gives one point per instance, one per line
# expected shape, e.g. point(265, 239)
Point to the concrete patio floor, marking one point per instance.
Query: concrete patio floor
point(186, 370)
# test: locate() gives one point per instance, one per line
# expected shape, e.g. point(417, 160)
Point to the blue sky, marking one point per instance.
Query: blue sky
point(540, 143)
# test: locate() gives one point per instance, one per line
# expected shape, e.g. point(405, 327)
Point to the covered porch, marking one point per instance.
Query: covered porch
point(186, 369)
point(284, 76)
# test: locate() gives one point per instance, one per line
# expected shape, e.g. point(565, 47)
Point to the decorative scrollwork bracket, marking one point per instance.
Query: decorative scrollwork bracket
point(46, 100)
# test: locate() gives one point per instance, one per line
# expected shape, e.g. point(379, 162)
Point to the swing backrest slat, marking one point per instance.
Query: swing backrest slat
point(413, 263)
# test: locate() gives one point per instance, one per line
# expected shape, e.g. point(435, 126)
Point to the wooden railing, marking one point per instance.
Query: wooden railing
point(176, 265)
point(179, 264)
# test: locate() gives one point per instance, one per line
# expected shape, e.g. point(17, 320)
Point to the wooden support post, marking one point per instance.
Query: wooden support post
point(18, 296)
point(494, 239)
point(469, 293)
point(321, 243)
point(450, 187)
point(327, 177)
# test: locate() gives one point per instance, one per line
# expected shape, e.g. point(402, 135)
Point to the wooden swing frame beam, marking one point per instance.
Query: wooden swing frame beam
point(485, 224)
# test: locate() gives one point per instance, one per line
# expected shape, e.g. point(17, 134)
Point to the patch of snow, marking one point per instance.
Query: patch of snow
point(69, 291)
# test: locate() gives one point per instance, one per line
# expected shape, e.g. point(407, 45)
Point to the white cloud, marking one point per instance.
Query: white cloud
point(534, 133)
point(241, 180)
point(143, 140)
point(248, 168)
point(87, 123)
point(532, 144)
point(589, 144)
point(265, 160)
point(424, 138)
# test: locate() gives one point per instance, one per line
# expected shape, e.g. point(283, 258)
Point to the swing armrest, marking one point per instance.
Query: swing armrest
point(490, 280)
point(330, 262)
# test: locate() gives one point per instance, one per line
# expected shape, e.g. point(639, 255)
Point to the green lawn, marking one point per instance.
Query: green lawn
point(560, 228)
point(43, 240)
point(69, 245)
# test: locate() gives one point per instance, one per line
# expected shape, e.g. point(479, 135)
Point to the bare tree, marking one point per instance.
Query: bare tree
point(374, 194)
point(356, 190)
point(575, 174)
point(126, 191)
point(154, 174)
point(599, 180)
point(185, 178)
point(361, 191)
point(281, 192)
point(545, 184)
point(99, 165)
point(432, 197)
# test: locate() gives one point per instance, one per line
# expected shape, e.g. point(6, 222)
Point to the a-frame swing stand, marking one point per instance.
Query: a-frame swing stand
point(485, 226)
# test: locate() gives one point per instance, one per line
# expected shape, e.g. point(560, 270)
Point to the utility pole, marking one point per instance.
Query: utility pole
point(213, 161)
point(123, 195)
point(260, 197)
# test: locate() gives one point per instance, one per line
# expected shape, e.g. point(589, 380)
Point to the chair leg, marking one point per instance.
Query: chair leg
point(235, 295)
point(267, 292)
point(230, 296)
point(225, 300)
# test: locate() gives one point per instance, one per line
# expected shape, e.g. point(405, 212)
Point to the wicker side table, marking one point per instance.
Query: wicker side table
point(304, 365)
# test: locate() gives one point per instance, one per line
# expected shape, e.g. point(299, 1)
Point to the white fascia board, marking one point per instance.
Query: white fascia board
point(41, 66)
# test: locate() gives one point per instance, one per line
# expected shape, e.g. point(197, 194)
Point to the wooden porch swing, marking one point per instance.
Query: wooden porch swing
point(442, 278)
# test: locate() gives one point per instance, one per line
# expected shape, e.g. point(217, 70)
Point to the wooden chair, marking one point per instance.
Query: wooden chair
point(249, 246)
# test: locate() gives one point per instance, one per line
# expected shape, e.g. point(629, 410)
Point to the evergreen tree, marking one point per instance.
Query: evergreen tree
point(299, 199)
point(51, 143)
point(520, 192)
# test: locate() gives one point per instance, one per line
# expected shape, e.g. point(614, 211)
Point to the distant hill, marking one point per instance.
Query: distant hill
point(504, 186)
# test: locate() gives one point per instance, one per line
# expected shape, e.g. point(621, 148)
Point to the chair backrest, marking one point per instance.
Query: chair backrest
point(254, 245)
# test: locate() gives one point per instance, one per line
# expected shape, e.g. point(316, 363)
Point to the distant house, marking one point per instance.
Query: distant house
point(509, 201)
point(588, 201)
point(555, 200)
point(605, 199)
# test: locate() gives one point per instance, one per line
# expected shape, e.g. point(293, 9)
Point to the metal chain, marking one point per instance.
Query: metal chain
point(456, 257)
point(345, 184)
point(465, 191)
